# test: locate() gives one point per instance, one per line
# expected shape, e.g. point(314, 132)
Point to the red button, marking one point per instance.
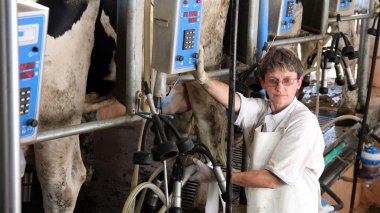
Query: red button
point(185, 2)
point(198, 1)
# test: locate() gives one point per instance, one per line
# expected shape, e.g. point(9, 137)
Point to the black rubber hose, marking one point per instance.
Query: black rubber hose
point(171, 126)
point(365, 117)
point(202, 150)
point(339, 202)
point(145, 132)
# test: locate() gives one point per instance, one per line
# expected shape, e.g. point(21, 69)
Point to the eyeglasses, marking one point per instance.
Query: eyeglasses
point(273, 82)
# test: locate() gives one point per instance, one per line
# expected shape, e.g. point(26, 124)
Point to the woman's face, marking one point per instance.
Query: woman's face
point(281, 86)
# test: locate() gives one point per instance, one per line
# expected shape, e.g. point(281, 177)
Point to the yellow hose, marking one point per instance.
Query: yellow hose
point(137, 189)
point(340, 118)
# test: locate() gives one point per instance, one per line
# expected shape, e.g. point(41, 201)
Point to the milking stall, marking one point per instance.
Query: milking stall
point(190, 106)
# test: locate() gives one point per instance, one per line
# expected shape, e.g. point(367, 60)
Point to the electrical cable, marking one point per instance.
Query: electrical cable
point(366, 108)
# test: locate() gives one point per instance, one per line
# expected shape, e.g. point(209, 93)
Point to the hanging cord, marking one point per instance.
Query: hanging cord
point(339, 202)
point(231, 101)
point(365, 117)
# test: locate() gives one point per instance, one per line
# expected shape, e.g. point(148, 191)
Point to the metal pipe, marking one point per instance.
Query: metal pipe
point(83, 128)
point(297, 40)
point(365, 117)
point(349, 18)
point(231, 100)
point(189, 77)
point(263, 27)
point(160, 85)
point(324, 17)
point(364, 48)
point(130, 49)
point(252, 19)
point(362, 74)
point(10, 193)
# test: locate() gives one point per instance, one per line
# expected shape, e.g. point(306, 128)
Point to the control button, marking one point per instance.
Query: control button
point(179, 58)
point(185, 2)
point(32, 122)
point(195, 55)
point(35, 49)
point(284, 22)
point(198, 1)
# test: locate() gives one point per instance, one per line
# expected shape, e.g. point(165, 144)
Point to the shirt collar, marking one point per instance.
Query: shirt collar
point(286, 111)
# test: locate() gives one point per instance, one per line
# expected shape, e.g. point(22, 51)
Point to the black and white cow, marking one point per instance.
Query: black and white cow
point(81, 38)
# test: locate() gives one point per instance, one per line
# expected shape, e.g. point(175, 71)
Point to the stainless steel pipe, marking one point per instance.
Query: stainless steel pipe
point(130, 51)
point(83, 128)
point(10, 180)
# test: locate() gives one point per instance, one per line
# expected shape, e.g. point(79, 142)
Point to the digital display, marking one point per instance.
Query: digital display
point(193, 13)
point(190, 14)
point(192, 20)
point(24, 75)
point(27, 66)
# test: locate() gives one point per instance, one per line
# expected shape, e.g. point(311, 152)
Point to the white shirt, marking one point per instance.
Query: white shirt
point(301, 146)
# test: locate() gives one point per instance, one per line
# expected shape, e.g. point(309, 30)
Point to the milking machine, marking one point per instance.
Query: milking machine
point(164, 151)
point(176, 30)
point(32, 28)
point(340, 57)
point(281, 16)
point(340, 6)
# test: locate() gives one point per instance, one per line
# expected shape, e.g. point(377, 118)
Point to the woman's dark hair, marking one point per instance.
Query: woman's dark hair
point(280, 57)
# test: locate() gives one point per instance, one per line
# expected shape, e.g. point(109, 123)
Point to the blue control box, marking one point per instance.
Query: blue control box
point(287, 15)
point(344, 4)
point(176, 33)
point(281, 16)
point(32, 24)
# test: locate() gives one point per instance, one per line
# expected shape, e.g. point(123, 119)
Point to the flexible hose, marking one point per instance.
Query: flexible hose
point(340, 118)
point(339, 202)
point(171, 126)
point(207, 153)
point(154, 174)
point(137, 189)
point(145, 132)
point(187, 172)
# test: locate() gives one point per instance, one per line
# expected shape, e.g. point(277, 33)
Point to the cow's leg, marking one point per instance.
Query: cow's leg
point(67, 59)
point(61, 176)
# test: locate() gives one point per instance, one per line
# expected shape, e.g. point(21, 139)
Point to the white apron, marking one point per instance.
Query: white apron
point(285, 198)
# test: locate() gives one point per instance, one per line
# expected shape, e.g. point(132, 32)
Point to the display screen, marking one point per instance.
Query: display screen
point(24, 75)
point(193, 13)
point(192, 20)
point(27, 66)
point(190, 14)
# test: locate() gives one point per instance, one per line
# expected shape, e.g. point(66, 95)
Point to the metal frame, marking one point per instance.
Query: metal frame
point(10, 193)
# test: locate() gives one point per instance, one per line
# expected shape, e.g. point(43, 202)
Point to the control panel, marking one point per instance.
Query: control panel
point(32, 25)
point(281, 16)
point(344, 4)
point(176, 30)
point(339, 6)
